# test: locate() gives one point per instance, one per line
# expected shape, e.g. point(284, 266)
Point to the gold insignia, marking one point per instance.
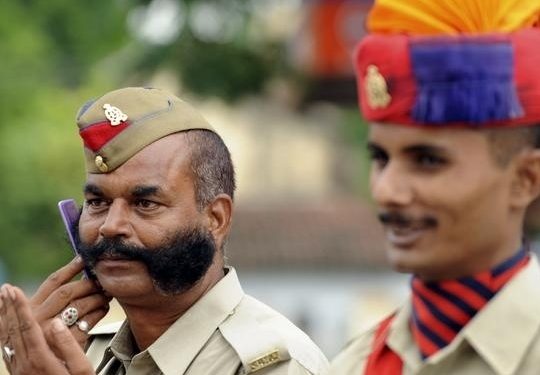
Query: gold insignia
point(376, 89)
point(264, 361)
point(100, 163)
point(114, 115)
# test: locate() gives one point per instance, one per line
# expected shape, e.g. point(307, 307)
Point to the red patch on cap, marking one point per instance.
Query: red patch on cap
point(97, 135)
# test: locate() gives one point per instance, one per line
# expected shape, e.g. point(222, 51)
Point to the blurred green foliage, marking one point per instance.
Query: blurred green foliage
point(208, 63)
point(58, 53)
point(48, 51)
point(355, 131)
point(219, 57)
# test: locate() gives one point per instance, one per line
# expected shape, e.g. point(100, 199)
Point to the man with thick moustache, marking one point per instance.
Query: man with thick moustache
point(157, 213)
point(451, 90)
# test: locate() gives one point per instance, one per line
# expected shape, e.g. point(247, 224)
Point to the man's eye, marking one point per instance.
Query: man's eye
point(378, 157)
point(429, 161)
point(95, 202)
point(146, 204)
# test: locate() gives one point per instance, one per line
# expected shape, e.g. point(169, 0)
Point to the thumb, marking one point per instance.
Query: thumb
point(69, 349)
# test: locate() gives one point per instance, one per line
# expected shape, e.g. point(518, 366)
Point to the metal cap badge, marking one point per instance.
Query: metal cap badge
point(121, 123)
point(376, 89)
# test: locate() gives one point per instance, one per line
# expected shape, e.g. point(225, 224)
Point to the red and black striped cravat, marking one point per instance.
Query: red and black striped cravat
point(441, 309)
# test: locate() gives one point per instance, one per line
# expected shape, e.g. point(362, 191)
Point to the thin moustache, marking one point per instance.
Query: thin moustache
point(401, 220)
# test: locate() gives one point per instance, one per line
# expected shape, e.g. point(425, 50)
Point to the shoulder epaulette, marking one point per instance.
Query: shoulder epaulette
point(268, 338)
point(257, 346)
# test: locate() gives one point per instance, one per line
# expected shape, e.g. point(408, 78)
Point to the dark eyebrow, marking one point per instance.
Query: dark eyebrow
point(370, 146)
point(425, 149)
point(145, 191)
point(93, 190)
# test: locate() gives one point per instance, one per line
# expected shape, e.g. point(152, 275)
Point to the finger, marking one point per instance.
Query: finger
point(94, 315)
point(86, 323)
point(59, 299)
point(4, 338)
point(15, 327)
point(56, 279)
point(32, 353)
point(90, 303)
point(84, 306)
point(68, 350)
point(91, 319)
point(3, 320)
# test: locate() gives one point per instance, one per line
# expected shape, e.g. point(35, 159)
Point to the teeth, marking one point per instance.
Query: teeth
point(403, 237)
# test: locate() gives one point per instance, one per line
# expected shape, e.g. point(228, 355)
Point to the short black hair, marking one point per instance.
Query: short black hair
point(505, 143)
point(211, 165)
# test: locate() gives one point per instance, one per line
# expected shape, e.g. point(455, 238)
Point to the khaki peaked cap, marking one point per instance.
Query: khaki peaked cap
point(122, 122)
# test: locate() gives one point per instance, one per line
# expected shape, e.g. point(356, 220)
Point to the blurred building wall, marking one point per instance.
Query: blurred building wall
point(330, 305)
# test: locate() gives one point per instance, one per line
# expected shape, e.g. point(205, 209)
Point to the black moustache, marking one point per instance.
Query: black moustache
point(399, 220)
point(175, 266)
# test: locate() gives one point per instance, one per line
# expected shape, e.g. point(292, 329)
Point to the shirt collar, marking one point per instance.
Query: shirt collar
point(517, 307)
point(400, 339)
point(517, 303)
point(192, 330)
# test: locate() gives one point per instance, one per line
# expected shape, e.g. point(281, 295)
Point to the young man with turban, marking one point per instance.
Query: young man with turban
point(451, 89)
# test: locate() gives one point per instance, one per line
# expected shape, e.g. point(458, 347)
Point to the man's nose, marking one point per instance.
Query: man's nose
point(391, 187)
point(117, 222)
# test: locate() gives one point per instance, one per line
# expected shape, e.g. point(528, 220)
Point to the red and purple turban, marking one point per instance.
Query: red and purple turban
point(451, 63)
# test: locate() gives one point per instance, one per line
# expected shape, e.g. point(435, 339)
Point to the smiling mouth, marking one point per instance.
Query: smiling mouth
point(404, 230)
point(404, 236)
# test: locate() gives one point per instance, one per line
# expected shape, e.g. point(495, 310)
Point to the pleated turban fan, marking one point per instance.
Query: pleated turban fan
point(472, 63)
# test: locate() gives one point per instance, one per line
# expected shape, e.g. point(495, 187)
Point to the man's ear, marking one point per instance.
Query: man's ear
point(219, 214)
point(526, 186)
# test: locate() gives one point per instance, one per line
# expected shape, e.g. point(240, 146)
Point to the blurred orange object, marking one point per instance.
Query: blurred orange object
point(335, 27)
point(428, 17)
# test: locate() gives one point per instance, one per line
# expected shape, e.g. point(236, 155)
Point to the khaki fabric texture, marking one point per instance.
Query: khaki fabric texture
point(502, 339)
point(226, 332)
point(151, 114)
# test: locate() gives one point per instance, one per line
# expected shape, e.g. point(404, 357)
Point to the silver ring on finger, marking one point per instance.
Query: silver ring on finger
point(7, 353)
point(83, 326)
point(69, 316)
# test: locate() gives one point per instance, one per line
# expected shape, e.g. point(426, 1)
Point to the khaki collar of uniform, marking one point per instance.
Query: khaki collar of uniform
point(513, 314)
point(175, 349)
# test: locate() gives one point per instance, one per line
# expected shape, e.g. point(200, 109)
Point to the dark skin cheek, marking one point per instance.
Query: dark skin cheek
point(88, 230)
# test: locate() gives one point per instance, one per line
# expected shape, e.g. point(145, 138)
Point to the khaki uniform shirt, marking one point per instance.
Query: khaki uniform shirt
point(226, 332)
point(503, 338)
